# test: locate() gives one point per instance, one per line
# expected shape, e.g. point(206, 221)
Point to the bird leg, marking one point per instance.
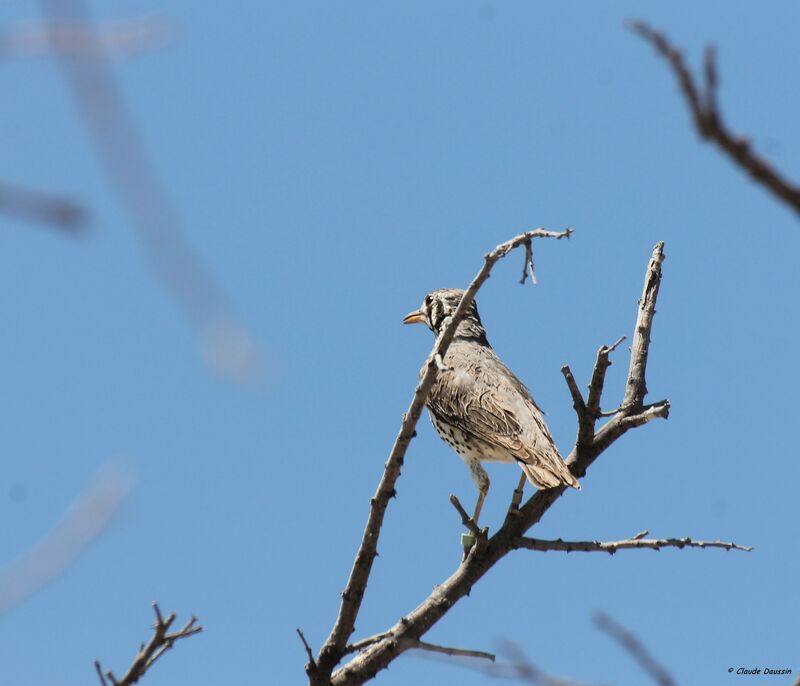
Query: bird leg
point(481, 480)
point(479, 505)
point(516, 499)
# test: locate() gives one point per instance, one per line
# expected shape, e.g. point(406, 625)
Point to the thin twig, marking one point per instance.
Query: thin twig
point(708, 120)
point(601, 365)
point(612, 547)
point(333, 649)
point(161, 641)
point(100, 674)
point(365, 642)
point(635, 649)
point(466, 520)
point(309, 652)
point(445, 650)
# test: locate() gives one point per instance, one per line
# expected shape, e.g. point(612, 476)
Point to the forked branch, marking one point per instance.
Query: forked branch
point(161, 641)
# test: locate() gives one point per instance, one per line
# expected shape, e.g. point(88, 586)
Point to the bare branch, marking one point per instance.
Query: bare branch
point(161, 641)
point(635, 649)
point(636, 388)
point(334, 648)
point(585, 422)
point(307, 647)
point(452, 652)
point(57, 211)
point(708, 120)
point(100, 674)
point(612, 547)
point(601, 365)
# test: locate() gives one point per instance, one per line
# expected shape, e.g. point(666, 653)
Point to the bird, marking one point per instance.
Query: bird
point(481, 409)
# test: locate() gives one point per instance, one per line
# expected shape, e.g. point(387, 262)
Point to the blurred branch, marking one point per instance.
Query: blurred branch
point(109, 39)
point(57, 211)
point(518, 667)
point(638, 541)
point(703, 106)
point(161, 641)
point(226, 344)
point(85, 520)
point(635, 648)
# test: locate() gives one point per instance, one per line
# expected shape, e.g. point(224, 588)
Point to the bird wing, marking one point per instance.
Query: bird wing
point(490, 403)
point(484, 399)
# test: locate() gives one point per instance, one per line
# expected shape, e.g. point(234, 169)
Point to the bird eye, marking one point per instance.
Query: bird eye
point(428, 300)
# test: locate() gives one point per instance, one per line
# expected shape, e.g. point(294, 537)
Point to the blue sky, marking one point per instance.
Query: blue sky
point(332, 163)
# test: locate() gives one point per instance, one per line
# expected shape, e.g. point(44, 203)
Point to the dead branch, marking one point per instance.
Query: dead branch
point(635, 649)
point(611, 547)
point(703, 106)
point(56, 211)
point(334, 648)
point(161, 641)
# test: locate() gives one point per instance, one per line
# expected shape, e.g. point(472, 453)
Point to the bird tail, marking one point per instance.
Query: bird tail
point(549, 474)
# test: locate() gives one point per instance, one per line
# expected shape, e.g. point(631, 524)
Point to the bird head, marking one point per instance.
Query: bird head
point(438, 306)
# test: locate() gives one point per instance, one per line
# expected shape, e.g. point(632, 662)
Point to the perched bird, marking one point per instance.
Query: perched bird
point(481, 409)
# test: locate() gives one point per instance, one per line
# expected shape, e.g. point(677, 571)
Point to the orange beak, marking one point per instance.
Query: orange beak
point(415, 317)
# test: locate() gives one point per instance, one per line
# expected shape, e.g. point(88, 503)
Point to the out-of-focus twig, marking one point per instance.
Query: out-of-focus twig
point(635, 649)
point(109, 39)
point(161, 641)
point(83, 523)
point(226, 345)
point(518, 667)
point(703, 105)
point(56, 211)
